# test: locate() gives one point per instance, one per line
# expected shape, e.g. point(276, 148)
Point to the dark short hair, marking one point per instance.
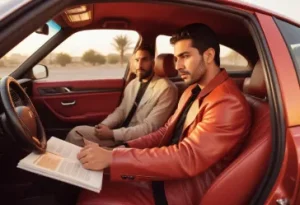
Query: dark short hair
point(202, 38)
point(146, 47)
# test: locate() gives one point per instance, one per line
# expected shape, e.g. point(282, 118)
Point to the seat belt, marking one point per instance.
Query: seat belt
point(138, 98)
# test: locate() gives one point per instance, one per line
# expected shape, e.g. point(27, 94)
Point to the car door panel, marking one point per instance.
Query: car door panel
point(63, 105)
point(81, 107)
point(286, 185)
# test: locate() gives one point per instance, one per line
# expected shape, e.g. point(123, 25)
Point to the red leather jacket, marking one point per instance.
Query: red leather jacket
point(217, 123)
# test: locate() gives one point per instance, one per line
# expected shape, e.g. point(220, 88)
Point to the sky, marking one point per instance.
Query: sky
point(289, 8)
point(7, 6)
point(102, 40)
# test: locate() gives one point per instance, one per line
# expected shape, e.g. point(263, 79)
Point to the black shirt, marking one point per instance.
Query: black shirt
point(158, 186)
point(142, 89)
point(179, 125)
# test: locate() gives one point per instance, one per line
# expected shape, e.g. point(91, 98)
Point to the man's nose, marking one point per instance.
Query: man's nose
point(139, 64)
point(178, 65)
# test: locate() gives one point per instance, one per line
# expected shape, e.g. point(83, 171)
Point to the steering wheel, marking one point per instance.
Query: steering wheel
point(23, 119)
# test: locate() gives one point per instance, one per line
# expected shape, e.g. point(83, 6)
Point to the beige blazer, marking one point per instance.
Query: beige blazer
point(155, 107)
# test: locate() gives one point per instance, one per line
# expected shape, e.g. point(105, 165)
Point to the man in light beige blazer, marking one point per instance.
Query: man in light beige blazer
point(156, 105)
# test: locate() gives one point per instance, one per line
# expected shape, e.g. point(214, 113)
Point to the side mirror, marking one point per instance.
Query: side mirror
point(40, 71)
point(43, 29)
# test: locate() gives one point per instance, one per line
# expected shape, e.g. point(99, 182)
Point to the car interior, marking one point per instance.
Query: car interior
point(244, 174)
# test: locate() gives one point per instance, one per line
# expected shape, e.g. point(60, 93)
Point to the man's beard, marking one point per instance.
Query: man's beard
point(145, 74)
point(192, 80)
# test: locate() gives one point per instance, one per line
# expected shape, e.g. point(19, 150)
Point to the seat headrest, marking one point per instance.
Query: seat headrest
point(164, 65)
point(256, 85)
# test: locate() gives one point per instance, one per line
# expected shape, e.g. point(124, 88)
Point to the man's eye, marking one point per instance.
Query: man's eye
point(186, 56)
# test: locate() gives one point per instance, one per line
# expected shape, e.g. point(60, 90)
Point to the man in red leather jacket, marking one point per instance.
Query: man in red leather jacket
point(177, 163)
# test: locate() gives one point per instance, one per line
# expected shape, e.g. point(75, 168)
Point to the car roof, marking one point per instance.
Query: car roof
point(151, 19)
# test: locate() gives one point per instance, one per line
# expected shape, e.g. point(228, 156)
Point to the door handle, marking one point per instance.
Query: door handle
point(68, 103)
point(66, 89)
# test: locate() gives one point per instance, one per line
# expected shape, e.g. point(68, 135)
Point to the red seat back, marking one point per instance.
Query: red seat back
point(165, 67)
point(237, 183)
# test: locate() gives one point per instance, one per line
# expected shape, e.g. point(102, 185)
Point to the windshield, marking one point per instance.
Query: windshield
point(9, 6)
point(16, 56)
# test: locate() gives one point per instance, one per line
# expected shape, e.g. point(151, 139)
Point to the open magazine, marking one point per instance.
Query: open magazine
point(60, 162)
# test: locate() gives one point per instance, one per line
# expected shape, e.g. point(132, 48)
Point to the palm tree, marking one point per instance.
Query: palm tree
point(121, 44)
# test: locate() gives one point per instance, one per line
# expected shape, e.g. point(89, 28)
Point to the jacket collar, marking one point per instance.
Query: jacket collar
point(195, 108)
point(149, 91)
point(215, 82)
point(153, 81)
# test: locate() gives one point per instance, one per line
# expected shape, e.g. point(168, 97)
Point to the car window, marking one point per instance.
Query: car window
point(9, 6)
point(291, 35)
point(230, 59)
point(21, 52)
point(92, 54)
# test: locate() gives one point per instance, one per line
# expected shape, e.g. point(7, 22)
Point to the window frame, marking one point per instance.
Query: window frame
point(280, 23)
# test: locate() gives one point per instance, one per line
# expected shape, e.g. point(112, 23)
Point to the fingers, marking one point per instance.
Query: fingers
point(87, 165)
point(83, 152)
point(84, 160)
point(87, 149)
point(84, 156)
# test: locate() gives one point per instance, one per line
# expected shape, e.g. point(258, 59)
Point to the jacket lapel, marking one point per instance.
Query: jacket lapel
point(195, 108)
point(176, 115)
point(149, 91)
point(193, 112)
point(133, 93)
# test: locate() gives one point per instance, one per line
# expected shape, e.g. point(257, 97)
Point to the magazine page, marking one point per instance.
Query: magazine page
point(54, 165)
point(63, 148)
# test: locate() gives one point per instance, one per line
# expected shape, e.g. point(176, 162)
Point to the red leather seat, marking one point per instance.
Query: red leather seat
point(164, 66)
point(238, 182)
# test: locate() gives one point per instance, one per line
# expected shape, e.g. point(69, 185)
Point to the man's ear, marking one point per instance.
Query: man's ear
point(209, 55)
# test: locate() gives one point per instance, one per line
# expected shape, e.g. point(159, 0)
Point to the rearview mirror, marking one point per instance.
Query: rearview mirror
point(40, 71)
point(43, 29)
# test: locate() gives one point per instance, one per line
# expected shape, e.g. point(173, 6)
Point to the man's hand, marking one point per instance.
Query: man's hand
point(94, 157)
point(103, 132)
